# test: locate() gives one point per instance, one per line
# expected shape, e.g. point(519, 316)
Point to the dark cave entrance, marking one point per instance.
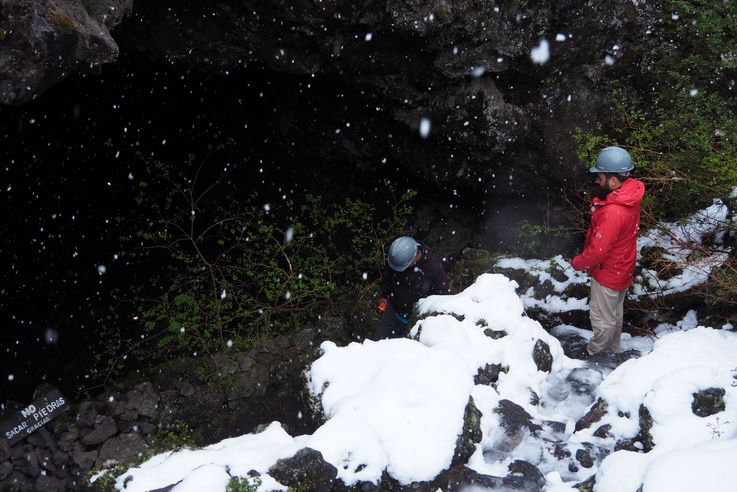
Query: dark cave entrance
point(72, 159)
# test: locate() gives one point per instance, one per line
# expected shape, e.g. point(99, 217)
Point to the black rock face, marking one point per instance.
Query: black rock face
point(43, 42)
point(306, 470)
point(463, 71)
point(454, 85)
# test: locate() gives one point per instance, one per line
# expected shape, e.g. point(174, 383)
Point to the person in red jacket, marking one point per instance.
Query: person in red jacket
point(610, 249)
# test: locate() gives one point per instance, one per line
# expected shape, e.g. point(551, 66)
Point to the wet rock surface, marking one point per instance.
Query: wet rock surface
point(306, 470)
point(595, 414)
point(514, 418)
point(470, 435)
point(44, 41)
point(522, 476)
point(488, 375)
point(542, 357)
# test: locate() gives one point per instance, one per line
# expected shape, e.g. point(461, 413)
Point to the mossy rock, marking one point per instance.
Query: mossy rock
point(577, 291)
point(557, 272)
point(488, 375)
point(470, 435)
point(708, 402)
point(495, 334)
point(646, 424)
point(543, 290)
point(542, 356)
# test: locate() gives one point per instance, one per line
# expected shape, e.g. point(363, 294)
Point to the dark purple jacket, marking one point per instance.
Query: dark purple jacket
point(404, 289)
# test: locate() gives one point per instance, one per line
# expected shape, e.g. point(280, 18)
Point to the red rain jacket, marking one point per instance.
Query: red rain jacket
point(610, 249)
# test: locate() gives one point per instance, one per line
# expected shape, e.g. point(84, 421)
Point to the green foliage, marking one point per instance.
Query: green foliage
point(104, 478)
point(466, 271)
point(229, 268)
point(723, 287)
point(243, 484)
point(676, 116)
point(528, 237)
point(533, 240)
point(172, 438)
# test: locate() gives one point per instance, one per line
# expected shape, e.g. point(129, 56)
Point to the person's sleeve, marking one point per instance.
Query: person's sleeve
point(600, 242)
point(384, 287)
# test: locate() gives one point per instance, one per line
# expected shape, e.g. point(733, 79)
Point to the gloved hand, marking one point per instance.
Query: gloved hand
point(383, 303)
point(401, 319)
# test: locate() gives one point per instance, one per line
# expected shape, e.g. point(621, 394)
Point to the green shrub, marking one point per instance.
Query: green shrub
point(174, 437)
point(224, 269)
point(675, 111)
point(243, 484)
point(535, 240)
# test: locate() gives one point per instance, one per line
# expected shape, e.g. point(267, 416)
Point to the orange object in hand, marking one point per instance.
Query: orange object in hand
point(382, 304)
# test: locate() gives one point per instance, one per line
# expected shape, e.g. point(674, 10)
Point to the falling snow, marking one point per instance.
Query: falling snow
point(540, 54)
point(424, 127)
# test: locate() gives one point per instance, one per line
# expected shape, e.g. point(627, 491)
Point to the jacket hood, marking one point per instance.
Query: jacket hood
point(629, 194)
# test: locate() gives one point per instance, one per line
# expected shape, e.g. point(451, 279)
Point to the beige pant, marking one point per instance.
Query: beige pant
point(606, 313)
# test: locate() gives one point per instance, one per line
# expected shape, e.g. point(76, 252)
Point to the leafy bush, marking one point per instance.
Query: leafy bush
point(173, 437)
point(227, 268)
point(243, 484)
point(675, 111)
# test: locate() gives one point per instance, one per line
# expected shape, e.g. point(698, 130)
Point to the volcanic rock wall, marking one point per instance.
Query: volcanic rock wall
point(460, 70)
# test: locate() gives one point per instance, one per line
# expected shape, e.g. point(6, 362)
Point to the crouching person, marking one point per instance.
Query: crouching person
point(413, 273)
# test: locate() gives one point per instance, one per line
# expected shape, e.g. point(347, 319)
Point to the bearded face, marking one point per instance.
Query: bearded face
point(601, 187)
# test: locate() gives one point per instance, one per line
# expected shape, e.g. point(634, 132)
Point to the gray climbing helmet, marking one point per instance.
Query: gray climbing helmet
point(402, 252)
point(614, 160)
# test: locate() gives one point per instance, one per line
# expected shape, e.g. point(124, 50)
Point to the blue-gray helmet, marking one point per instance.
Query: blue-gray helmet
point(402, 253)
point(613, 160)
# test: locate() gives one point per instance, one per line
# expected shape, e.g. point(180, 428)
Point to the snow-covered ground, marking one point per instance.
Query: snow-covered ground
point(398, 405)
